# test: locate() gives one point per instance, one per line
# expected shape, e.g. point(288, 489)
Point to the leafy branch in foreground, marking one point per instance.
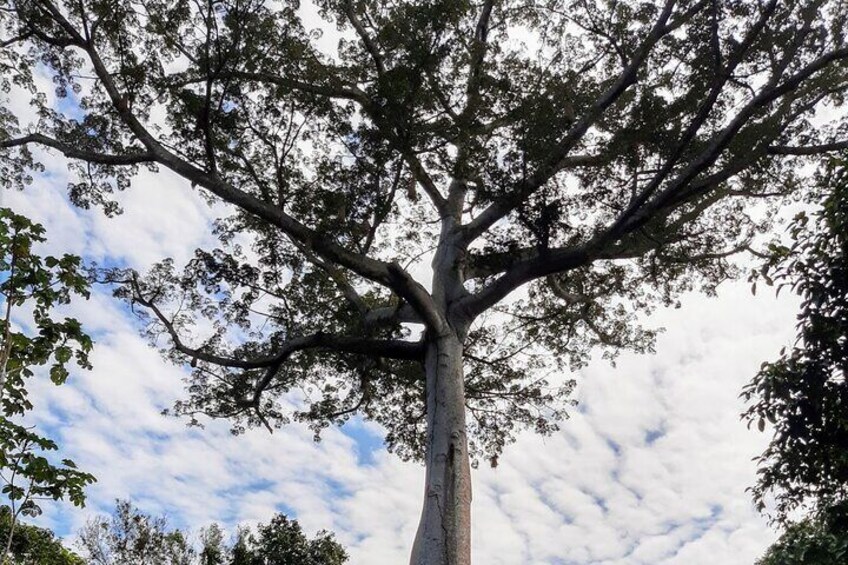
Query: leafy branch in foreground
point(31, 287)
point(804, 393)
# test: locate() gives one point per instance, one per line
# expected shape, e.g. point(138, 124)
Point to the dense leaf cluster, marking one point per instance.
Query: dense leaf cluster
point(820, 540)
point(804, 394)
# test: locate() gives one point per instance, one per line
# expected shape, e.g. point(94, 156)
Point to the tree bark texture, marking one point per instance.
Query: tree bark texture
point(444, 533)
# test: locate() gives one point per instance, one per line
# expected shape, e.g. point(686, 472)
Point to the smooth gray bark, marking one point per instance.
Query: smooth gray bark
point(444, 532)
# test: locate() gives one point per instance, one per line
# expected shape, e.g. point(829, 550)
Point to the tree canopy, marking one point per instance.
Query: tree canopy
point(566, 165)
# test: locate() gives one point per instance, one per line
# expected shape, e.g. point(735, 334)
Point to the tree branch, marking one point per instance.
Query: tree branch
point(370, 46)
point(636, 216)
point(479, 47)
point(523, 270)
point(808, 149)
point(12, 40)
point(338, 278)
point(390, 275)
point(340, 92)
point(76, 152)
point(402, 313)
point(388, 348)
point(703, 112)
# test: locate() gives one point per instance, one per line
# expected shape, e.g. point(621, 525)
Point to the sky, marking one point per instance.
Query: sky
point(651, 467)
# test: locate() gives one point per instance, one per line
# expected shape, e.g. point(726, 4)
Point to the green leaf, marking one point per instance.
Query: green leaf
point(58, 374)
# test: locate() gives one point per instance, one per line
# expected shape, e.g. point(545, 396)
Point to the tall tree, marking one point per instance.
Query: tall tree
point(565, 164)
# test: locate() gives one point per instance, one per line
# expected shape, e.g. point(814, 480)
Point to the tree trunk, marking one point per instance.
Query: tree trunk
point(444, 533)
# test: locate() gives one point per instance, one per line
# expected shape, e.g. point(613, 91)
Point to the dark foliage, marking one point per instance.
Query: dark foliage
point(804, 394)
point(32, 545)
point(822, 540)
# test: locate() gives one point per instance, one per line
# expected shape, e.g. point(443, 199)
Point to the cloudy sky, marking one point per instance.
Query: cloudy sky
point(651, 468)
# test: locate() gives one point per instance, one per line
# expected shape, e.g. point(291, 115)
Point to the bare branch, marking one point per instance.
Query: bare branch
point(479, 47)
point(339, 91)
point(338, 278)
point(389, 348)
point(16, 39)
point(370, 46)
point(402, 313)
point(523, 270)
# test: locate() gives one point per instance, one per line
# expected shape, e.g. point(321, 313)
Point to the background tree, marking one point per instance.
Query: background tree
point(281, 542)
point(566, 165)
point(32, 545)
point(31, 287)
point(213, 550)
point(817, 540)
point(130, 537)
